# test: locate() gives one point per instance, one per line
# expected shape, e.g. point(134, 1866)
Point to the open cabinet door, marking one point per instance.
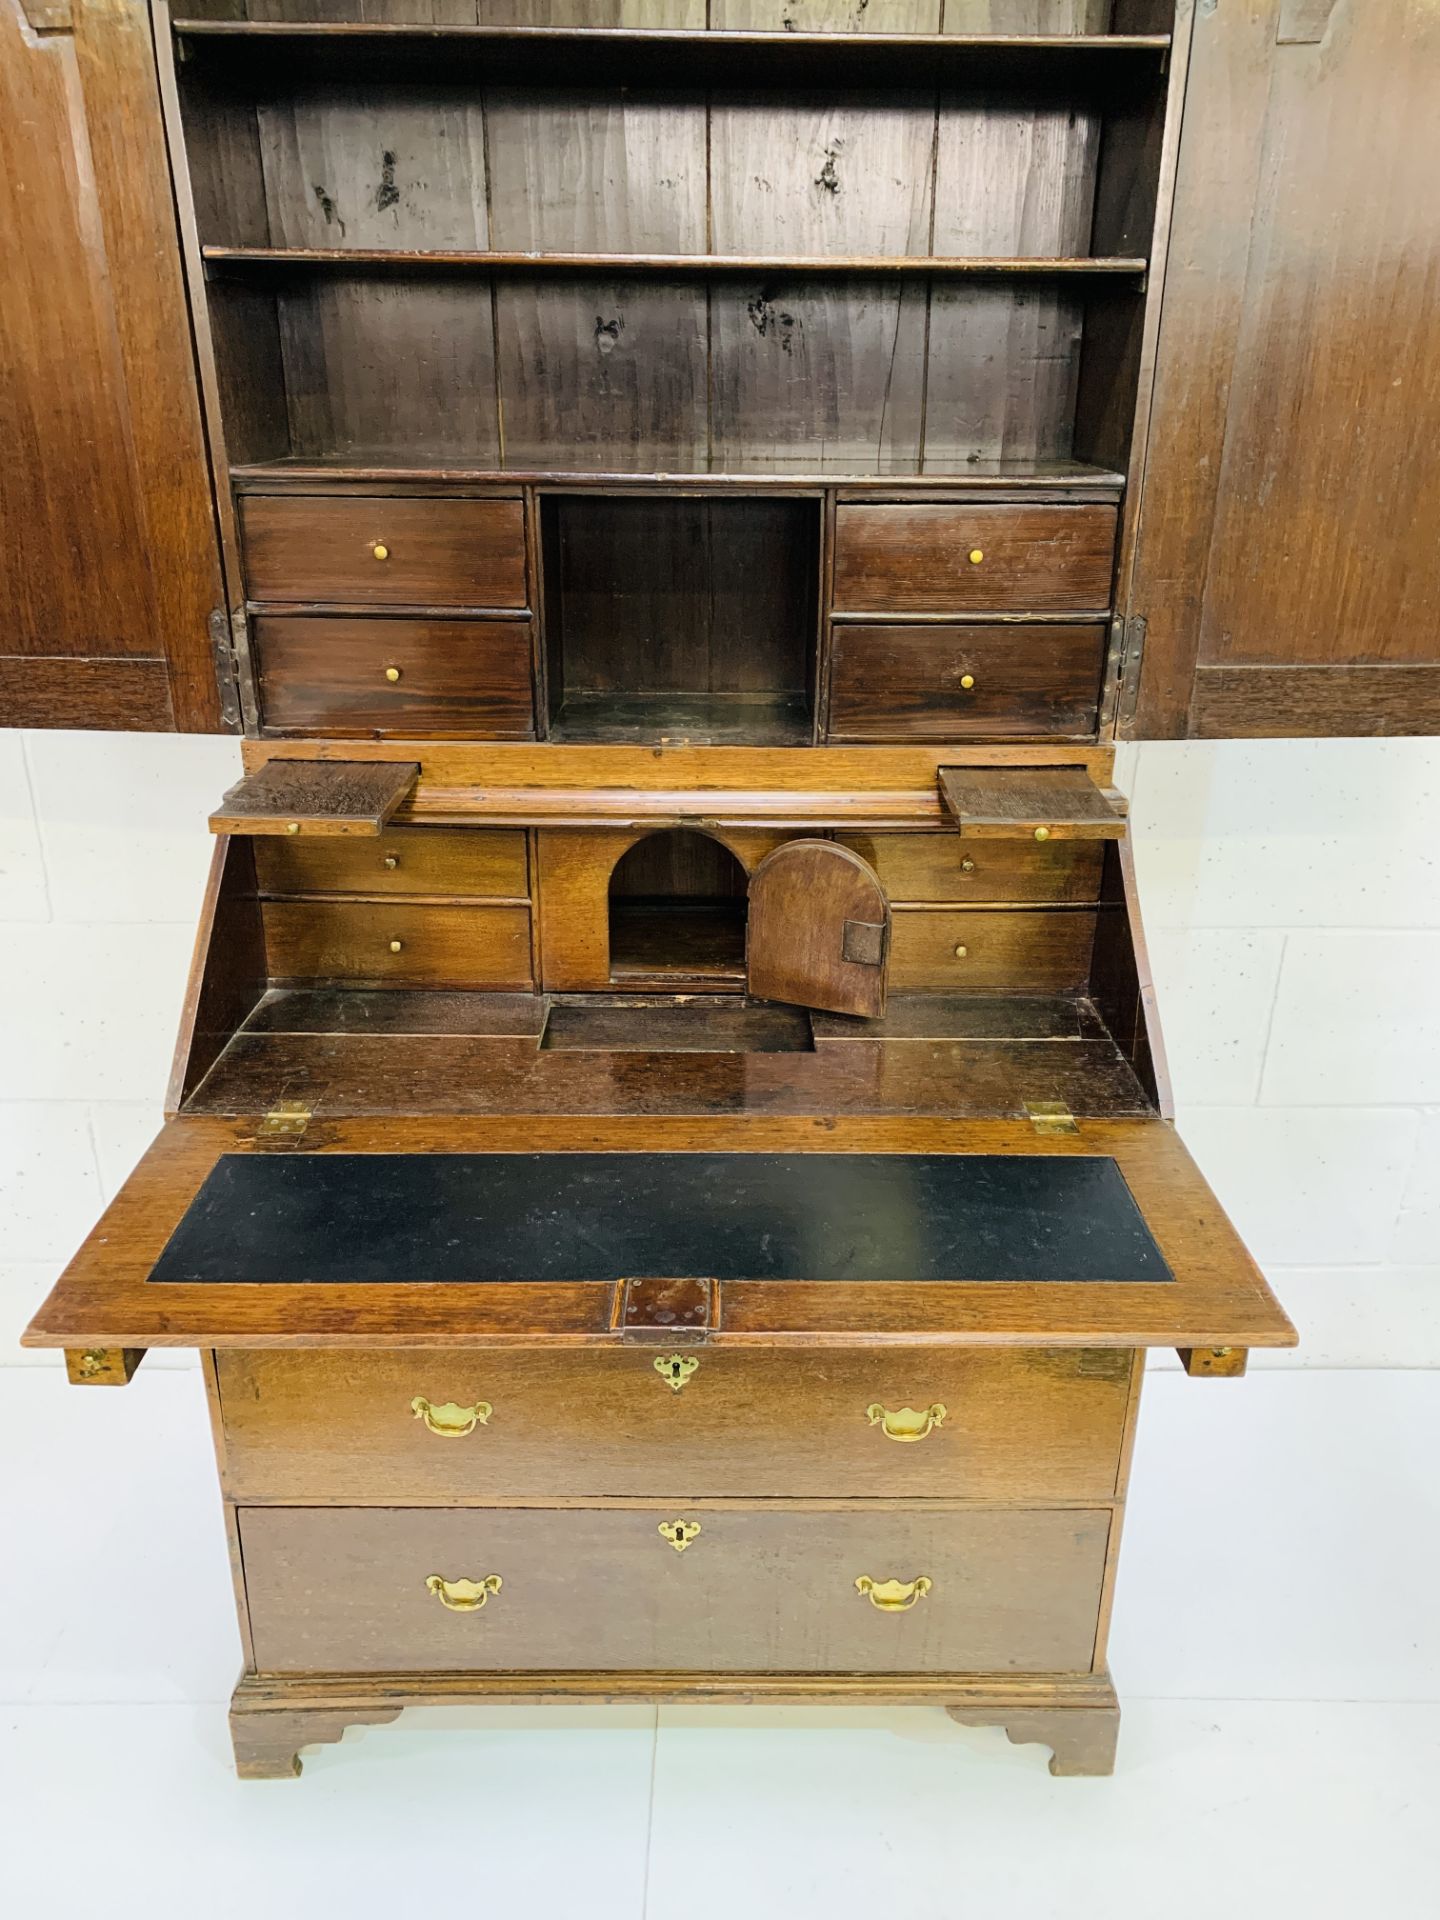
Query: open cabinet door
point(112, 609)
point(818, 930)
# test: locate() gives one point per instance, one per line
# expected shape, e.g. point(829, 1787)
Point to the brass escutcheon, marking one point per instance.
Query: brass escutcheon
point(679, 1532)
point(676, 1369)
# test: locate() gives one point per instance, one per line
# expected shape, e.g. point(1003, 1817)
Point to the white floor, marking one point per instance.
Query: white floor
point(1277, 1647)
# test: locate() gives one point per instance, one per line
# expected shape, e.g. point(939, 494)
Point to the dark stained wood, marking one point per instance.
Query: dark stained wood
point(314, 796)
point(627, 1023)
point(1376, 700)
point(110, 554)
point(890, 682)
point(647, 597)
point(346, 1589)
point(936, 866)
point(968, 1016)
point(339, 1427)
point(61, 690)
point(356, 1010)
point(1285, 531)
point(454, 679)
point(473, 864)
point(227, 973)
point(459, 553)
point(1046, 803)
point(818, 933)
point(339, 1074)
point(918, 559)
point(398, 942)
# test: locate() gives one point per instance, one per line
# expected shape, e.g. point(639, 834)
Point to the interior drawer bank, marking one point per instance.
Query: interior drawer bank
point(1005, 681)
point(445, 1425)
point(879, 1591)
point(384, 552)
point(1045, 951)
point(399, 944)
point(973, 559)
point(458, 679)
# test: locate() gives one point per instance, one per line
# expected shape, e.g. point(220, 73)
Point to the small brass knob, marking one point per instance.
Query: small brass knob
point(977, 554)
point(294, 827)
point(380, 550)
point(967, 866)
point(392, 674)
point(967, 680)
point(1042, 833)
point(961, 953)
point(391, 860)
point(396, 945)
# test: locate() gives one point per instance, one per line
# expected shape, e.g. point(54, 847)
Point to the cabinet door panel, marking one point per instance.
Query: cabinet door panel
point(112, 568)
point(1287, 570)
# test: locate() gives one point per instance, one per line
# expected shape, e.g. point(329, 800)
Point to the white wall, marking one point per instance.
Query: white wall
point(1291, 893)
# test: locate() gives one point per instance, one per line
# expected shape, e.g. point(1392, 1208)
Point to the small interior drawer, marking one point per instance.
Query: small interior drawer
point(483, 863)
point(942, 866)
point(973, 559)
point(404, 944)
point(384, 552)
point(456, 679)
point(336, 1590)
point(970, 950)
point(1031, 1425)
point(949, 682)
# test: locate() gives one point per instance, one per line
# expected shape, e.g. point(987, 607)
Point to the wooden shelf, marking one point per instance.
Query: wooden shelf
point(414, 470)
point(605, 56)
point(665, 263)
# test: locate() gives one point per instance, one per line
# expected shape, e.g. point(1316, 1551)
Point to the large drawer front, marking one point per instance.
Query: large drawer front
point(472, 862)
point(970, 950)
point(344, 1591)
point(917, 559)
point(383, 552)
point(1006, 681)
point(942, 866)
point(458, 679)
point(1032, 1425)
point(404, 944)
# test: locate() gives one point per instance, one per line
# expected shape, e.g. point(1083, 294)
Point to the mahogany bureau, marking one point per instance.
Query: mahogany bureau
point(668, 1161)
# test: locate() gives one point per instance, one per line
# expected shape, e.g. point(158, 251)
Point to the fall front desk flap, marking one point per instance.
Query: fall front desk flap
point(473, 1217)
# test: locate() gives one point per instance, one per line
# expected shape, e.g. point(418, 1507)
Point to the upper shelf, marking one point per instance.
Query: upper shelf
point(665, 57)
point(555, 262)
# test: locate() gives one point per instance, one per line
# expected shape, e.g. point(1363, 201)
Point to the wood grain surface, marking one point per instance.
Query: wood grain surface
point(343, 1590)
point(339, 1427)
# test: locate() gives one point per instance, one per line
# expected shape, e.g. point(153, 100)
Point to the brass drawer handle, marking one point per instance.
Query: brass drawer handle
point(675, 1369)
point(967, 681)
point(463, 1596)
point(679, 1532)
point(380, 550)
point(906, 1423)
point(449, 1421)
point(392, 674)
point(893, 1596)
point(977, 554)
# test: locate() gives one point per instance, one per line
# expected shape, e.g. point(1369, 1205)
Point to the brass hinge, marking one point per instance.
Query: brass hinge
point(227, 666)
point(1051, 1116)
point(285, 1122)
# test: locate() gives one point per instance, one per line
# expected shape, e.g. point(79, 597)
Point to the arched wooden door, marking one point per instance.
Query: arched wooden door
point(819, 930)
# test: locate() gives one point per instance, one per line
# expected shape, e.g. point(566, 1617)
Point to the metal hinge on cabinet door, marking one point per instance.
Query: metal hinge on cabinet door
point(1127, 649)
point(224, 644)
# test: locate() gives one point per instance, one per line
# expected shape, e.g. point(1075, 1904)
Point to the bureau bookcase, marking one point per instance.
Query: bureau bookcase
point(669, 1162)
